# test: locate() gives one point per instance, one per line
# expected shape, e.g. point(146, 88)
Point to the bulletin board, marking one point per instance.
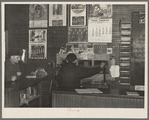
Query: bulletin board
point(57, 14)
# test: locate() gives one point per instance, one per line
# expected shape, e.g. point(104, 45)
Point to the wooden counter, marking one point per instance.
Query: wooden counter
point(110, 98)
point(13, 89)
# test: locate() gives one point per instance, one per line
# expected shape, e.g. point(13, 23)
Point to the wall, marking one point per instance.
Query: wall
point(17, 22)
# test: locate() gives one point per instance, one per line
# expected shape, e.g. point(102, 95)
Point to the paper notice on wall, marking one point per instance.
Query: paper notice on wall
point(78, 15)
point(100, 10)
point(115, 71)
point(100, 30)
point(57, 14)
point(37, 15)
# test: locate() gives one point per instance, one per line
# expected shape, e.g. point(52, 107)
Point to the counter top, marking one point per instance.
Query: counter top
point(23, 83)
point(106, 93)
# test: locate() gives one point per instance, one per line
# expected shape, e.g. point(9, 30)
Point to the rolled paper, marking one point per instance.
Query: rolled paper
point(23, 55)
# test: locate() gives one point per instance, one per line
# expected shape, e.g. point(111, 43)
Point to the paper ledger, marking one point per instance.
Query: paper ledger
point(88, 91)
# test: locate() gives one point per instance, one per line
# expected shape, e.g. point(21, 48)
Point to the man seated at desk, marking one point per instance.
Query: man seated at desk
point(12, 67)
point(69, 75)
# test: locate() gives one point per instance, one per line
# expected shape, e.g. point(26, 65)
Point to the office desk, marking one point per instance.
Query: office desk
point(108, 99)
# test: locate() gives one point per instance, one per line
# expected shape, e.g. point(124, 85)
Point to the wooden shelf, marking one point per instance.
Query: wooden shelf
point(125, 53)
point(31, 99)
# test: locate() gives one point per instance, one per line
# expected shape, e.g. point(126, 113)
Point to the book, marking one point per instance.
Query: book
point(89, 90)
point(132, 93)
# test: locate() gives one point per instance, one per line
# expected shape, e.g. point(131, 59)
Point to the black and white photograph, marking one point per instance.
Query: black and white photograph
point(93, 63)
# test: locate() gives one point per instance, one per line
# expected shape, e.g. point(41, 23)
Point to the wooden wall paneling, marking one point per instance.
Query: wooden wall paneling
point(17, 25)
point(138, 51)
point(57, 38)
point(122, 12)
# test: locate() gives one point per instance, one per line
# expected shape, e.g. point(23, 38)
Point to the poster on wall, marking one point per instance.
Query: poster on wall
point(142, 17)
point(77, 35)
point(37, 44)
point(100, 30)
point(37, 51)
point(37, 15)
point(38, 36)
point(78, 15)
point(57, 14)
point(100, 10)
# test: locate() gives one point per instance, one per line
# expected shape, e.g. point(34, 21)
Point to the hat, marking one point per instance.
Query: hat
point(14, 52)
point(71, 57)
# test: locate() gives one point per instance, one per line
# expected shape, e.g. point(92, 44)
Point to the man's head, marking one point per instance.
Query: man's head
point(15, 55)
point(71, 58)
point(15, 58)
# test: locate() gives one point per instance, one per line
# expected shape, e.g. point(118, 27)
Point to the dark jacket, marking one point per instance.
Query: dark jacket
point(70, 75)
point(11, 70)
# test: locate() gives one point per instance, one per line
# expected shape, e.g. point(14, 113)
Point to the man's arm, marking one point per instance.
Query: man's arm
point(8, 73)
point(83, 72)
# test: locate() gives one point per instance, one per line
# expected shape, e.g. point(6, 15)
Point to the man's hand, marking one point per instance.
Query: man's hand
point(102, 64)
point(19, 73)
point(13, 78)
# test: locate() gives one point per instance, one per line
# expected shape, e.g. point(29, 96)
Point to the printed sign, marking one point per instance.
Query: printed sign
point(37, 15)
point(37, 44)
point(78, 15)
point(57, 15)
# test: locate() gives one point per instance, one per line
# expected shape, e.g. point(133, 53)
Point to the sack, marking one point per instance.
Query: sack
point(40, 73)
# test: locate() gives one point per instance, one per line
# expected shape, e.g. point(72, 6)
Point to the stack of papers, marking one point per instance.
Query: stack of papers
point(132, 93)
point(88, 91)
point(115, 71)
point(31, 76)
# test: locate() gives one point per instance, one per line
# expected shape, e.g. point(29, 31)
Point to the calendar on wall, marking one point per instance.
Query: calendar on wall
point(38, 44)
point(100, 30)
point(37, 15)
point(57, 14)
point(78, 15)
point(77, 35)
point(100, 23)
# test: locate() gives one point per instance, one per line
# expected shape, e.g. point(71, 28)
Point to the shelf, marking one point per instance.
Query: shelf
point(31, 99)
point(125, 53)
point(125, 26)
